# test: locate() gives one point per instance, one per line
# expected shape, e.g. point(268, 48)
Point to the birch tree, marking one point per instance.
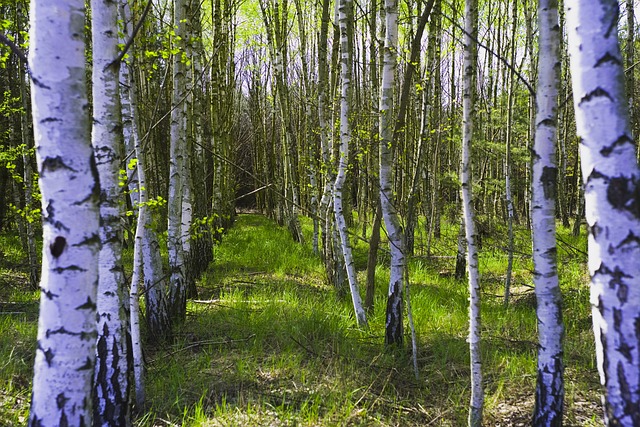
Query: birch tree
point(468, 116)
point(612, 205)
point(177, 290)
point(66, 341)
point(346, 42)
point(393, 324)
point(550, 384)
point(111, 396)
point(147, 261)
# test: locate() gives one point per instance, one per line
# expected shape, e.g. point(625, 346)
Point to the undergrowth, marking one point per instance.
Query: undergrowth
point(267, 342)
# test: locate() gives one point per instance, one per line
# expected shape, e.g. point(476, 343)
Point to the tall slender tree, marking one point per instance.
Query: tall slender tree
point(111, 397)
point(177, 288)
point(469, 78)
point(346, 42)
point(612, 201)
point(394, 319)
point(66, 349)
point(550, 384)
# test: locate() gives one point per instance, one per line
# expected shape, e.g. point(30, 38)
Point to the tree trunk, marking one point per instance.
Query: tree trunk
point(466, 177)
point(394, 322)
point(612, 205)
point(111, 396)
point(346, 40)
point(177, 290)
point(550, 383)
point(66, 341)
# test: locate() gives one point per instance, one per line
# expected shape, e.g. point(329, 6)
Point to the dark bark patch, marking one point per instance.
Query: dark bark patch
point(623, 193)
point(92, 240)
point(622, 140)
point(608, 58)
point(393, 330)
point(594, 94)
point(88, 305)
point(48, 294)
point(61, 270)
point(548, 182)
point(87, 366)
point(50, 120)
point(631, 239)
point(64, 421)
point(53, 164)
point(48, 354)
point(595, 174)
point(547, 122)
point(623, 293)
point(35, 421)
point(58, 246)
point(61, 400)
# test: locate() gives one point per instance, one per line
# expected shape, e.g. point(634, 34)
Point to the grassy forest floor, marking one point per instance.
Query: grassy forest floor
point(269, 343)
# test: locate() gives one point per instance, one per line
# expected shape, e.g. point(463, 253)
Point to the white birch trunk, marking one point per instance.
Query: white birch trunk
point(550, 384)
point(111, 396)
point(147, 264)
point(345, 136)
point(393, 324)
point(466, 178)
point(177, 291)
point(611, 178)
point(65, 355)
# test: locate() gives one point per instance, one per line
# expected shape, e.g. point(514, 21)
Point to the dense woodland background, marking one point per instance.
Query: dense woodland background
point(245, 102)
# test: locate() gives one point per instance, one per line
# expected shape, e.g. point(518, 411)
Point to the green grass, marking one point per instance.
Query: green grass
point(269, 343)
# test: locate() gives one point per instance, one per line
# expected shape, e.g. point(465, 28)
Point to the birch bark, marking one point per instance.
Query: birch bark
point(612, 205)
point(346, 43)
point(177, 292)
point(393, 324)
point(469, 79)
point(66, 341)
point(111, 396)
point(550, 384)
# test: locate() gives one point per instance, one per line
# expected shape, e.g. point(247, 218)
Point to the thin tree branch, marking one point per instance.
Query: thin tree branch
point(510, 66)
point(129, 42)
point(14, 48)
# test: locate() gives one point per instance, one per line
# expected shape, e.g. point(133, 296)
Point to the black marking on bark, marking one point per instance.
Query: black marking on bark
point(622, 140)
point(548, 182)
point(48, 354)
point(623, 193)
point(608, 58)
point(88, 305)
point(612, 14)
point(595, 230)
point(623, 293)
point(95, 191)
point(595, 174)
point(50, 120)
point(60, 331)
point(629, 240)
point(61, 270)
point(596, 93)
point(50, 295)
point(35, 421)
point(617, 319)
point(38, 83)
point(53, 164)
point(393, 329)
point(61, 400)
point(64, 422)
point(58, 246)
point(88, 365)
point(547, 122)
point(92, 240)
